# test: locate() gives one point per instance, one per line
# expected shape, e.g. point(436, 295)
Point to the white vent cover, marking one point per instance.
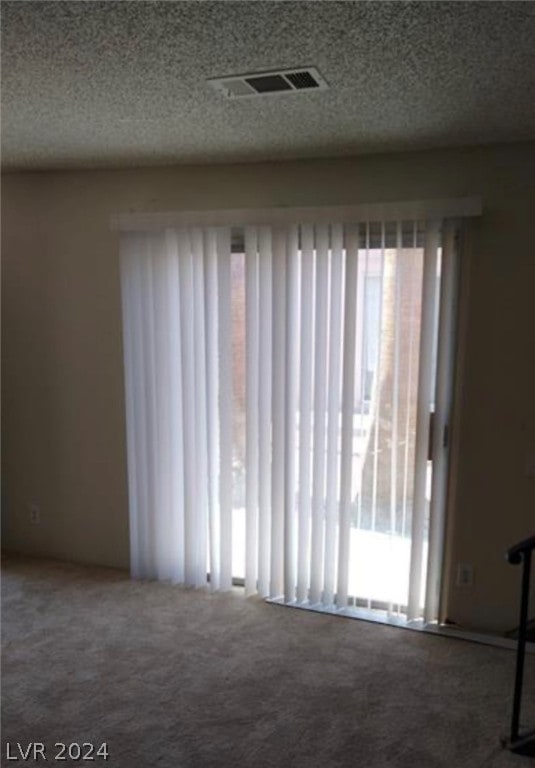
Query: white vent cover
point(269, 83)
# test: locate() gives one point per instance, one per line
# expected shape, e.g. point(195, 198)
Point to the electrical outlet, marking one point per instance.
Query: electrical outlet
point(35, 514)
point(465, 575)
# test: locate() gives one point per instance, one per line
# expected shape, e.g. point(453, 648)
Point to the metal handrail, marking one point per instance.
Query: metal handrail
point(514, 554)
point(521, 553)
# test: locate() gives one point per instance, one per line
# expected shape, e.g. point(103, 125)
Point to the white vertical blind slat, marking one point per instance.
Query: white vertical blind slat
point(412, 343)
point(152, 434)
point(398, 279)
point(225, 403)
point(333, 407)
point(252, 410)
point(163, 397)
point(278, 412)
point(320, 403)
point(188, 389)
point(362, 354)
point(378, 393)
point(348, 405)
point(265, 300)
point(212, 406)
point(305, 408)
point(291, 399)
point(176, 530)
point(201, 516)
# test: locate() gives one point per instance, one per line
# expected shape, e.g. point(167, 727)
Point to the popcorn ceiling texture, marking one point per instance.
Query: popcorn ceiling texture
point(100, 84)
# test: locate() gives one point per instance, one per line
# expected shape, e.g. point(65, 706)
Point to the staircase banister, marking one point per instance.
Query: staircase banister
point(515, 553)
point(521, 553)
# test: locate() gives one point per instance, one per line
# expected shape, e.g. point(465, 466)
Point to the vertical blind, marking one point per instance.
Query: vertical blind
point(176, 320)
point(341, 327)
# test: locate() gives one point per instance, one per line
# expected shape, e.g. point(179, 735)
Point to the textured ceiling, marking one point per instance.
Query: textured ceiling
point(99, 84)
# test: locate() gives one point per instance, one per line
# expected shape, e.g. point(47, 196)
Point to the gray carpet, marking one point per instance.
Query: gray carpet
point(179, 678)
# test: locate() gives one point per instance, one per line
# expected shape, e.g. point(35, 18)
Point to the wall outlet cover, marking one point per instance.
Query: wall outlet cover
point(35, 514)
point(465, 575)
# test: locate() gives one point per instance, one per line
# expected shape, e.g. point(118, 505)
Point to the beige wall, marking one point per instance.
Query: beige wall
point(63, 412)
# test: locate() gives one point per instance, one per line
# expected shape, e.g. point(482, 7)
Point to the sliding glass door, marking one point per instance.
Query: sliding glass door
point(288, 397)
point(389, 348)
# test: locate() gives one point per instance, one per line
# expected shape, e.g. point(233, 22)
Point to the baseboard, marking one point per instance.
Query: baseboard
point(400, 622)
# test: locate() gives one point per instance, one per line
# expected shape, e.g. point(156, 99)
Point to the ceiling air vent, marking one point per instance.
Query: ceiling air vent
point(268, 83)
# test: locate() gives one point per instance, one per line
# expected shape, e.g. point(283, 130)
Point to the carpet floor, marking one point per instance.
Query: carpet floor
point(179, 678)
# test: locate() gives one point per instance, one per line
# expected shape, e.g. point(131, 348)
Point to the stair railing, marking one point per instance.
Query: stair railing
point(521, 553)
